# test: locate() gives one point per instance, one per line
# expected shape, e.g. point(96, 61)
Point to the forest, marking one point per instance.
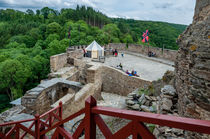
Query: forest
point(28, 39)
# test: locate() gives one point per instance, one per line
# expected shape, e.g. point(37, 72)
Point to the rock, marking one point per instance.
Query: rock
point(131, 94)
point(128, 98)
point(166, 104)
point(166, 96)
point(177, 132)
point(154, 103)
point(153, 98)
point(148, 98)
point(156, 132)
point(147, 103)
point(136, 91)
point(142, 99)
point(145, 108)
point(168, 90)
point(130, 102)
point(134, 107)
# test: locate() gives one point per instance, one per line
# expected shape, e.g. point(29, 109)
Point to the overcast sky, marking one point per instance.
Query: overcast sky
point(173, 11)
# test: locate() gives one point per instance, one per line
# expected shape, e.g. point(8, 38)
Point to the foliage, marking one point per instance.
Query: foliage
point(143, 91)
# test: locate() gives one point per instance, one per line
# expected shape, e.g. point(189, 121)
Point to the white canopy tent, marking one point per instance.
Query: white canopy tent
point(94, 50)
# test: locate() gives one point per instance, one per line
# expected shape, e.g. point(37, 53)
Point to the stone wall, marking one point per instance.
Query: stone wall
point(74, 53)
point(58, 61)
point(118, 82)
point(193, 66)
point(39, 99)
point(161, 53)
point(112, 80)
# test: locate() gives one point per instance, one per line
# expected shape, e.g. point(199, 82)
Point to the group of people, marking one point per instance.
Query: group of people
point(133, 73)
point(151, 54)
point(115, 52)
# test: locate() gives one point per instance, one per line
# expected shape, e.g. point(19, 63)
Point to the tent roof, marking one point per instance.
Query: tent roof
point(94, 46)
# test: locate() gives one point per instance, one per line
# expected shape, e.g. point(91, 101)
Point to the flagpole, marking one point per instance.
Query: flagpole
point(69, 36)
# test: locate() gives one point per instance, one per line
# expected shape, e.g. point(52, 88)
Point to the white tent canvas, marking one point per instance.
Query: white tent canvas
point(94, 50)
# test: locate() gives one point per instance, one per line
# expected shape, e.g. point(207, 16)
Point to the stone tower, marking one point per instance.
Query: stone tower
point(193, 65)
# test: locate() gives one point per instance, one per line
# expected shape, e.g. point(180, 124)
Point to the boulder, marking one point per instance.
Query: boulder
point(168, 90)
point(142, 99)
point(130, 102)
point(166, 104)
point(134, 107)
point(145, 108)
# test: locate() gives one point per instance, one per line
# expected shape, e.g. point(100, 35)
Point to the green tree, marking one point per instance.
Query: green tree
point(53, 28)
point(51, 38)
point(13, 75)
point(128, 39)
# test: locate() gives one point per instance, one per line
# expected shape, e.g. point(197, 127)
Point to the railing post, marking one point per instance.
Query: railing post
point(17, 134)
point(60, 115)
point(135, 131)
point(60, 109)
point(42, 128)
point(37, 131)
point(90, 125)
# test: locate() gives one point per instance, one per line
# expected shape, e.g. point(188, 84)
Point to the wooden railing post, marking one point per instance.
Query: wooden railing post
point(90, 125)
point(60, 115)
point(37, 123)
point(42, 128)
point(60, 109)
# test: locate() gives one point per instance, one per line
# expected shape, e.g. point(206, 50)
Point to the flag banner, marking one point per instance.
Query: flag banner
point(145, 37)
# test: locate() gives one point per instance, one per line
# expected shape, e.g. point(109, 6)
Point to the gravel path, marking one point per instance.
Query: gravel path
point(147, 69)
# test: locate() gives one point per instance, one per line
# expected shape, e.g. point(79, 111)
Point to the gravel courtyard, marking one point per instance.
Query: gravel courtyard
point(147, 69)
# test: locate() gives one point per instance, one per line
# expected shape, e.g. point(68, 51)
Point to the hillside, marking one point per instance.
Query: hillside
point(28, 39)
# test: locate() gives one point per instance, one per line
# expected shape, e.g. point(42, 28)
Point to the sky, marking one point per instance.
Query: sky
point(173, 11)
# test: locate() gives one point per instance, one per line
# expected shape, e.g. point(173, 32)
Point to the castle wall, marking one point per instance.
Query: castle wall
point(192, 66)
point(118, 82)
point(58, 61)
point(161, 53)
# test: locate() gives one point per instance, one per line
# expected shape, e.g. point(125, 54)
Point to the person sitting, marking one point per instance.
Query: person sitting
point(149, 54)
point(153, 54)
point(127, 72)
point(120, 65)
point(132, 72)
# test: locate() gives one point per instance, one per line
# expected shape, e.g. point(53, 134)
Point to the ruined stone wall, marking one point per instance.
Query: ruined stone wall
point(39, 99)
point(161, 53)
point(58, 61)
point(118, 82)
point(193, 66)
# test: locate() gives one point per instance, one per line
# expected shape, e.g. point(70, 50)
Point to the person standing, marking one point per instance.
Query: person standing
point(122, 54)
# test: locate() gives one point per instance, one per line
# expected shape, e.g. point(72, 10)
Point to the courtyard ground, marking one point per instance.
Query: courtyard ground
point(148, 69)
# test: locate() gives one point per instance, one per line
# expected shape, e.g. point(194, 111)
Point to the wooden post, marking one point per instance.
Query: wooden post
point(60, 115)
point(90, 125)
point(37, 132)
point(42, 128)
point(135, 131)
point(17, 134)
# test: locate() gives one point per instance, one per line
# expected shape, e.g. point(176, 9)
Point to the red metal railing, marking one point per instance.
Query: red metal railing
point(136, 128)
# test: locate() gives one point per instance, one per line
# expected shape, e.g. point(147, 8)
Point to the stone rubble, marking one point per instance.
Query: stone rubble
point(165, 103)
